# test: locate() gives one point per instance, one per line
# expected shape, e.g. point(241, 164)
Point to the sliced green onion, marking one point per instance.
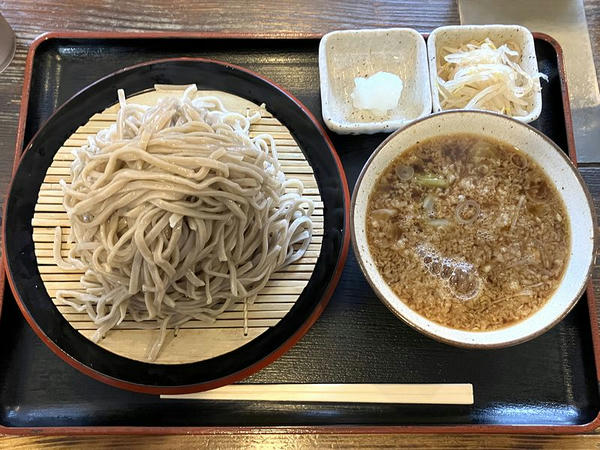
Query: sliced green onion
point(431, 181)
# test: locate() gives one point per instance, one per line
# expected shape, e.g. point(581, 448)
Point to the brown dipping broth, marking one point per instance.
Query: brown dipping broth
point(468, 231)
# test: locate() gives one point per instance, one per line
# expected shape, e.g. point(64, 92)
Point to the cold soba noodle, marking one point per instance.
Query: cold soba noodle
point(176, 213)
point(468, 232)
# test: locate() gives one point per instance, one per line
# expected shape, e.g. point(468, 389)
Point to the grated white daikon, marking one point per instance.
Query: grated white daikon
point(379, 93)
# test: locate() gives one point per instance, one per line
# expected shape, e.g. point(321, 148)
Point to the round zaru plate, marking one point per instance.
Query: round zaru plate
point(195, 340)
point(200, 357)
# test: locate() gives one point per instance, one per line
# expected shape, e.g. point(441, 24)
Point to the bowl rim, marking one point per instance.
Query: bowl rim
point(444, 339)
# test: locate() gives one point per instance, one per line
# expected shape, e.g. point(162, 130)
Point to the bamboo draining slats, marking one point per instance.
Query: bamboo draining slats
point(195, 340)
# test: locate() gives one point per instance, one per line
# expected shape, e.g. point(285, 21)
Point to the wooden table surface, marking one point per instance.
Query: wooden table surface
point(29, 18)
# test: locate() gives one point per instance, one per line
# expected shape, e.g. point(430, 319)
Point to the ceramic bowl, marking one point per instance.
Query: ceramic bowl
point(348, 54)
point(557, 166)
point(456, 35)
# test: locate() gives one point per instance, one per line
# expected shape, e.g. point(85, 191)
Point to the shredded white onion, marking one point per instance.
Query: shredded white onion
point(479, 75)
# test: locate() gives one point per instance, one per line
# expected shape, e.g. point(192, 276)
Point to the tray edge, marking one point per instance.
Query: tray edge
point(348, 429)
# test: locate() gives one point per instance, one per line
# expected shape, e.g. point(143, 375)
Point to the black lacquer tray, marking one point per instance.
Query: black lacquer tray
point(548, 385)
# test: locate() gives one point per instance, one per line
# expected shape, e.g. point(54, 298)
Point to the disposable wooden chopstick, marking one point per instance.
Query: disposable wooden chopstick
point(449, 394)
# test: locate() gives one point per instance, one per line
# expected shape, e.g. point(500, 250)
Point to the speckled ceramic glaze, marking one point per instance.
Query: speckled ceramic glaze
point(346, 55)
point(456, 35)
point(558, 168)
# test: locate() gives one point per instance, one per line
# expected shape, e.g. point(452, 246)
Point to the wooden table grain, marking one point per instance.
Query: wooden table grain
point(30, 18)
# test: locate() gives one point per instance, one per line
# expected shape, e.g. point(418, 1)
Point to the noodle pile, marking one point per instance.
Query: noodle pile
point(176, 213)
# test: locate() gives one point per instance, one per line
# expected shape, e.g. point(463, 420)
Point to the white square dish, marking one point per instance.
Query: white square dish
point(456, 35)
point(346, 55)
